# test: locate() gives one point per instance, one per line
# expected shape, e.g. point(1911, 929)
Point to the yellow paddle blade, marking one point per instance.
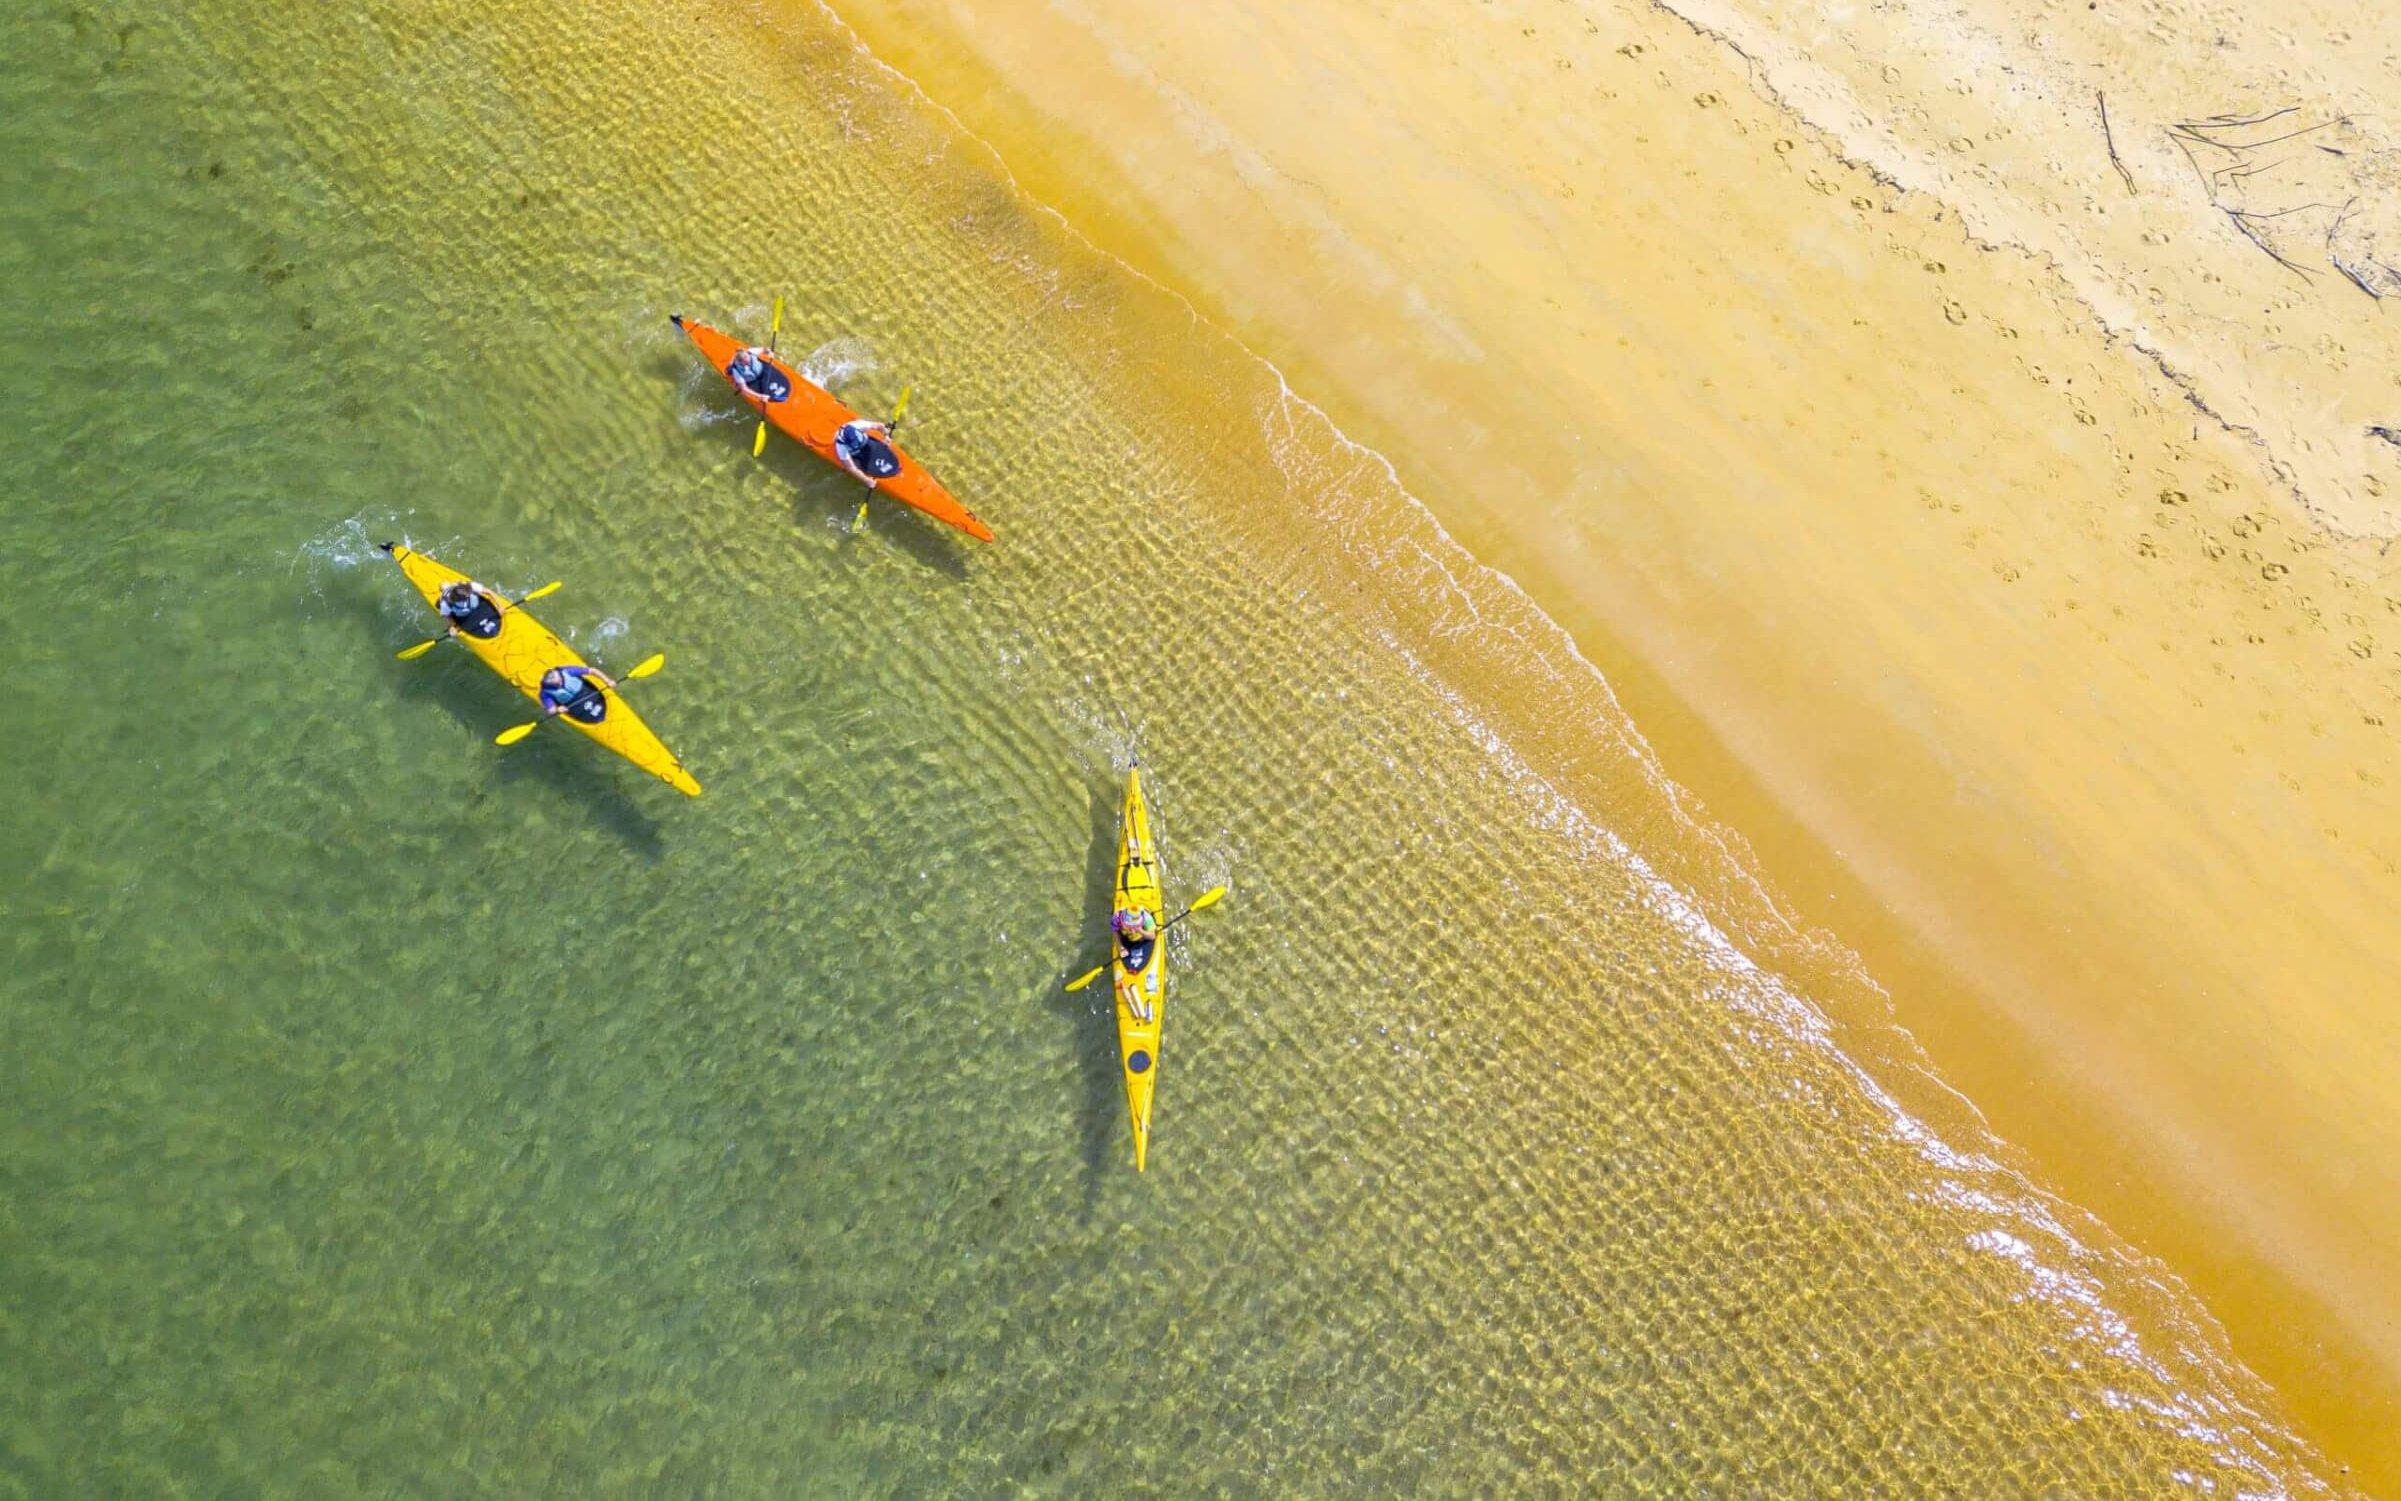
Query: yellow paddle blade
point(860, 520)
point(758, 445)
point(420, 649)
point(1207, 899)
point(515, 733)
point(646, 666)
point(900, 408)
point(775, 325)
point(553, 587)
point(1078, 984)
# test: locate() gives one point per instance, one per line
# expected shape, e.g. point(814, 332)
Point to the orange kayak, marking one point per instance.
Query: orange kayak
point(812, 415)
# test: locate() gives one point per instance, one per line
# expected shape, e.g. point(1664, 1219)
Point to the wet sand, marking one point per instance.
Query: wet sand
point(1994, 544)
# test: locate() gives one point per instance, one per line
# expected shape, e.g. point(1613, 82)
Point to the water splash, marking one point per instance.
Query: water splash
point(609, 633)
point(839, 361)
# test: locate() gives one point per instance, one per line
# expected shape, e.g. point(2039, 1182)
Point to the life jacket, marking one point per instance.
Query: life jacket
point(585, 700)
point(868, 451)
point(765, 381)
point(481, 622)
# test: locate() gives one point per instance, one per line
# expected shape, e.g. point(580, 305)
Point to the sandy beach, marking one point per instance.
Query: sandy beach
point(1952, 431)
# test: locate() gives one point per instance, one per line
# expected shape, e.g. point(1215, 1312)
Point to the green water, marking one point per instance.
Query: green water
point(387, 1113)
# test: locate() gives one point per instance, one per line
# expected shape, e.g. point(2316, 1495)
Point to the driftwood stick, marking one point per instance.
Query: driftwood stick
point(2229, 122)
point(2298, 208)
point(2334, 257)
point(2183, 130)
point(2242, 221)
point(2291, 134)
point(2111, 141)
point(2237, 174)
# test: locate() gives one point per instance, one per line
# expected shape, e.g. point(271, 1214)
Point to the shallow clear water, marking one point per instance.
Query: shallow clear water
point(387, 1112)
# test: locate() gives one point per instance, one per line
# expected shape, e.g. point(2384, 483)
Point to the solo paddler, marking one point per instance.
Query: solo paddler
point(1137, 934)
point(576, 691)
point(471, 609)
point(1137, 930)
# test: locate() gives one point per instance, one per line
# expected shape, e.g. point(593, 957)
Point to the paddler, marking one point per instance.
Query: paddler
point(864, 448)
point(576, 691)
point(755, 377)
point(470, 608)
point(1136, 930)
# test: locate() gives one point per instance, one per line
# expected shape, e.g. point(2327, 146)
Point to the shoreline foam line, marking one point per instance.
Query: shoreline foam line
point(2193, 1321)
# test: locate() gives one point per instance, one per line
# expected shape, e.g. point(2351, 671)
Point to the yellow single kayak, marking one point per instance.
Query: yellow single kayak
point(1141, 993)
point(525, 649)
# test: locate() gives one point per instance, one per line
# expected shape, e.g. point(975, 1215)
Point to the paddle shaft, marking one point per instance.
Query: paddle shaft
point(900, 409)
point(775, 330)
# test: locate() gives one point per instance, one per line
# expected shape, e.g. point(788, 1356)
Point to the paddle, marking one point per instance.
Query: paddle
point(775, 327)
point(891, 430)
point(1202, 903)
point(642, 669)
point(422, 647)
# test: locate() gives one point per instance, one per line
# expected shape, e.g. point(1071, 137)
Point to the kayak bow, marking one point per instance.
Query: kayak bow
point(1139, 887)
point(811, 415)
point(525, 649)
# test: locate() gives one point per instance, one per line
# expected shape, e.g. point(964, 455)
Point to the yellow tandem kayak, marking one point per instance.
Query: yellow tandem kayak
point(525, 649)
point(1141, 993)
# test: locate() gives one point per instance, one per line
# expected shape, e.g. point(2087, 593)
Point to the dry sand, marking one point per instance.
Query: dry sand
point(1996, 540)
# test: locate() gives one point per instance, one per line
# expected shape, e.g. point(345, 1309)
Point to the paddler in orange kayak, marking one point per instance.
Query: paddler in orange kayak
point(864, 447)
point(754, 377)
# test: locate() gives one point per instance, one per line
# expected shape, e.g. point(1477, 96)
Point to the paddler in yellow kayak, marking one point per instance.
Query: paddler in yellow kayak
point(577, 691)
point(1137, 933)
point(468, 608)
